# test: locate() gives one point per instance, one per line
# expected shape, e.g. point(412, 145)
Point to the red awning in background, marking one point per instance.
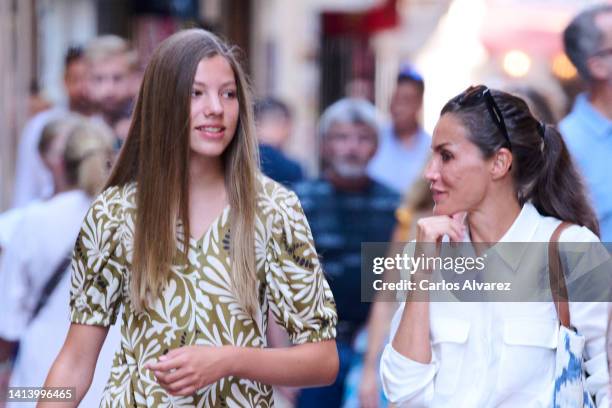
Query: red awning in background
point(379, 18)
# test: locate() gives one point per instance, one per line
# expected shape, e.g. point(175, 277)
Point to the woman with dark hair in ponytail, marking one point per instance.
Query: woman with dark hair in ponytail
point(497, 174)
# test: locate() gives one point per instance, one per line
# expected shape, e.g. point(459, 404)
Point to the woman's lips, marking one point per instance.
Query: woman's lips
point(210, 132)
point(437, 195)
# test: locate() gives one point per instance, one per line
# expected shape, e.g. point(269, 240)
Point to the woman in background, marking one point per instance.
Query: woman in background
point(35, 278)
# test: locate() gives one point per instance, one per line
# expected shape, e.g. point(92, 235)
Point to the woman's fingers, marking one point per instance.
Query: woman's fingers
point(177, 386)
point(432, 229)
point(174, 353)
point(428, 230)
point(458, 225)
point(459, 217)
point(186, 391)
point(457, 231)
point(169, 368)
point(165, 364)
point(169, 377)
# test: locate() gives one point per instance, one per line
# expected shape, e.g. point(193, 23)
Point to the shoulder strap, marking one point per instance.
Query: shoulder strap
point(557, 279)
point(50, 285)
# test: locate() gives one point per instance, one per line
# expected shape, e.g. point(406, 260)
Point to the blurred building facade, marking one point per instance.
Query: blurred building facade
point(309, 53)
point(17, 58)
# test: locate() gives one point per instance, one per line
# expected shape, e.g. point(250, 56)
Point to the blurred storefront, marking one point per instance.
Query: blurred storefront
point(17, 59)
point(309, 53)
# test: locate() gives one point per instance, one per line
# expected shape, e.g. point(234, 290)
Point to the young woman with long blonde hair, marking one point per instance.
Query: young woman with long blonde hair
point(196, 246)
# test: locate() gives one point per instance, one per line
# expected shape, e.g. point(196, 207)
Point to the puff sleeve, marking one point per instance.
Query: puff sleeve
point(299, 296)
point(99, 262)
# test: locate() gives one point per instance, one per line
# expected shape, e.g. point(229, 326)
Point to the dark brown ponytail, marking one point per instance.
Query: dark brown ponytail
point(559, 190)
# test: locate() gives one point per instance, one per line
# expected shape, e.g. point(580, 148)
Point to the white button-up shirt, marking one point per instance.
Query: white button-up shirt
point(488, 354)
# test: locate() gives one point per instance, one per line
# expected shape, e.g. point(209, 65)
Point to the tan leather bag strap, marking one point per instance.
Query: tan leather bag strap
point(557, 279)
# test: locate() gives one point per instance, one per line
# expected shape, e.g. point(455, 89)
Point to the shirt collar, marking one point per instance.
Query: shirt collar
point(524, 226)
point(597, 123)
point(523, 229)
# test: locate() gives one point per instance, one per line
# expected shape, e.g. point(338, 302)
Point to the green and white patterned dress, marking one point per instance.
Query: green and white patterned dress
point(197, 306)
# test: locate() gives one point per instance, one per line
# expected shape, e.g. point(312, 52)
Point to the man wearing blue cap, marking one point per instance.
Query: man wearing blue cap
point(404, 145)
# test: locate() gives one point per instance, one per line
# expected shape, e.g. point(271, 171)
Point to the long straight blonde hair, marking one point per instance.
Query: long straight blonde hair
point(156, 156)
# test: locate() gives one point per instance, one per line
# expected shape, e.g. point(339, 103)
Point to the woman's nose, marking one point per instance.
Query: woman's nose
point(431, 170)
point(213, 106)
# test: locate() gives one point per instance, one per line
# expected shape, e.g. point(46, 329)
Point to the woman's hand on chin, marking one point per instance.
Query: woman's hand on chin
point(431, 230)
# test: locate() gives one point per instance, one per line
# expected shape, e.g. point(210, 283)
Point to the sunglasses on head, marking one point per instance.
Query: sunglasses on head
point(473, 95)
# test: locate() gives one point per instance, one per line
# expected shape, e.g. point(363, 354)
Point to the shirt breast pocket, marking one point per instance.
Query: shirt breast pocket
point(527, 355)
point(448, 338)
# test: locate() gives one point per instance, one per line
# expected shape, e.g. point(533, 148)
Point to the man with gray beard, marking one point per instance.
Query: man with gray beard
point(344, 208)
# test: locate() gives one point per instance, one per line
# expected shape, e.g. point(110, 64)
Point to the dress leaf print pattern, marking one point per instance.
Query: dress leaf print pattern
point(197, 305)
point(97, 242)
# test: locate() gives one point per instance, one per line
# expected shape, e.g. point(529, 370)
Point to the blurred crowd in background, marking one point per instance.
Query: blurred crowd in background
point(347, 92)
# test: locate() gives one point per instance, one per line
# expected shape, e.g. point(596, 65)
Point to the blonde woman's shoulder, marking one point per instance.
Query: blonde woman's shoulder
point(273, 188)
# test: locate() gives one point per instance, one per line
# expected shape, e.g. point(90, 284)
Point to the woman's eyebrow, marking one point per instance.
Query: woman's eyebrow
point(440, 146)
point(226, 83)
